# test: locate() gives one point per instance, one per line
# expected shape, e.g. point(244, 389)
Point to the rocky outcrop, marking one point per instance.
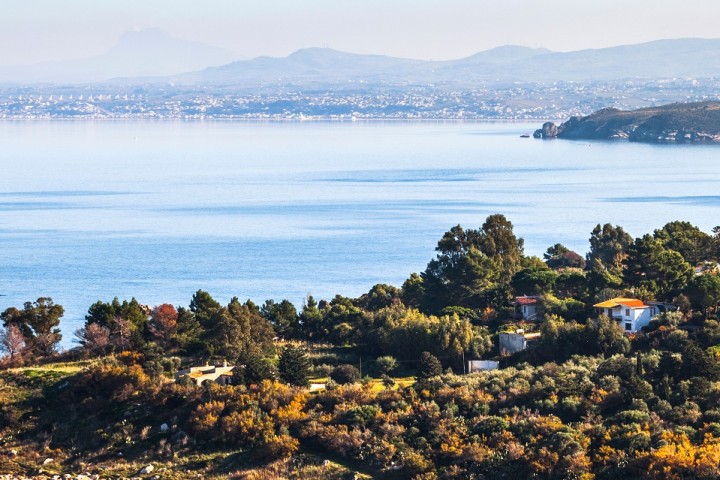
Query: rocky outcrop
point(548, 130)
point(679, 122)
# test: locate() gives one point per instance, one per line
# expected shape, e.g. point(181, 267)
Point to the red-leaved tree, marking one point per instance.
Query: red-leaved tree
point(163, 324)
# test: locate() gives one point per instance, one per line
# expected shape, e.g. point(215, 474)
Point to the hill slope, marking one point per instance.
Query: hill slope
point(677, 122)
point(660, 59)
point(154, 57)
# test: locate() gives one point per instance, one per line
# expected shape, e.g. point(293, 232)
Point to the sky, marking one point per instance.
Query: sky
point(33, 31)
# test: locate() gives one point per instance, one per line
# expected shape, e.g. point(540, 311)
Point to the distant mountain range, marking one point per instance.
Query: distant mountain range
point(149, 52)
point(153, 57)
point(321, 66)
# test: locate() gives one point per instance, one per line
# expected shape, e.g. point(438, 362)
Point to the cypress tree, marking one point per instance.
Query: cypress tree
point(294, 366)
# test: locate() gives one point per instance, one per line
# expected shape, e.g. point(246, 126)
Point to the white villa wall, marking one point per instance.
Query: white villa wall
point(638, 317)
point(643, 319)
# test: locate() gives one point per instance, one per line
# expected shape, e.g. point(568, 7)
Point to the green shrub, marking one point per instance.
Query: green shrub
point(386, 364)
point(343, 374)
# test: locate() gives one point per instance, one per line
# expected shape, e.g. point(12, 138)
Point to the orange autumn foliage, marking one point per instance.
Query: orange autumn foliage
point(680, 459)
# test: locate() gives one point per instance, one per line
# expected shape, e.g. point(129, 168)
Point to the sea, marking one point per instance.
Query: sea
point(96, 209)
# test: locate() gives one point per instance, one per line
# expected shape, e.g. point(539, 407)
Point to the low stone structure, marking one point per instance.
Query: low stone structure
point(200, 375)
point(513, 342)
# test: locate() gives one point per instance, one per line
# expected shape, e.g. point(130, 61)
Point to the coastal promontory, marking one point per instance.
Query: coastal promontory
point(674, 123)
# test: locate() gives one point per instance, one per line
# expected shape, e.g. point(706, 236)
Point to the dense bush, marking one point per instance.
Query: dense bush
point(343, 374)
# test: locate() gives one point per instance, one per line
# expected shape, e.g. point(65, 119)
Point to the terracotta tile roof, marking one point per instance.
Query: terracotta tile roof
point(616, 302)
point(526, 300)
point(634, 304)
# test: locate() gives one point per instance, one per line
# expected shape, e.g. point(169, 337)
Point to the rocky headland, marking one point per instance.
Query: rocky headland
point(674, 123)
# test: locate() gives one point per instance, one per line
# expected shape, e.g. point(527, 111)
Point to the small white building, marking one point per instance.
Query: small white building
point(526, 307)
point(482, 365)
point(630, 313)
point(513, 342)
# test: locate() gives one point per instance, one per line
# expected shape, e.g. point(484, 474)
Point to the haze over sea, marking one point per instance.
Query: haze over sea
point(90, 210)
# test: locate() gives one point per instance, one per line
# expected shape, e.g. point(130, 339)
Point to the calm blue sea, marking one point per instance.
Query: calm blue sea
point(90, 210)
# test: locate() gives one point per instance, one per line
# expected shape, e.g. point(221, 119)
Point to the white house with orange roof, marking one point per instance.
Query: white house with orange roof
point(630, 313)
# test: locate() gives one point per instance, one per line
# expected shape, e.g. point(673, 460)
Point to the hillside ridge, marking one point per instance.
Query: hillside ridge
point(673, 123)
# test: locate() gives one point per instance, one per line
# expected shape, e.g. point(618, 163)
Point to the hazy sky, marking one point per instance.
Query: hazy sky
point(40, 30)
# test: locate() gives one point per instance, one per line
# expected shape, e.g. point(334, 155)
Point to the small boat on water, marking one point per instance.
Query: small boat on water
point(524, 135)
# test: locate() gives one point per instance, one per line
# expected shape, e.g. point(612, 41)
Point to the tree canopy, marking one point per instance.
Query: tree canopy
point(693, 244)
point(559, 256)
point(608, 247)
point(468, 264)
point(38, 323)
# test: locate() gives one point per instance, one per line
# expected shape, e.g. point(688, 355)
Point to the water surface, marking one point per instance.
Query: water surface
point(95, 209)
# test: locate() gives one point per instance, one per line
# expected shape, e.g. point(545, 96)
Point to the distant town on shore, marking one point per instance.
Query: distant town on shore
point(504, 83)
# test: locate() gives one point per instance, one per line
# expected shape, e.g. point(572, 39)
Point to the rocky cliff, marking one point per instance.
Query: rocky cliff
point(678, 122)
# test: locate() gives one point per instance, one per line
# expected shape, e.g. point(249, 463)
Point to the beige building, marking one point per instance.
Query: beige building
point(200, 375)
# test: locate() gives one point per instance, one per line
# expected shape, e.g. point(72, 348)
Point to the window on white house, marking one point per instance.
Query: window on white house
point(627, 312)
point(628, 326)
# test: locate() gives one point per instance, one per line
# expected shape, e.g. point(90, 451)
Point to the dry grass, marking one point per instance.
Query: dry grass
point(217, 466)
point(60, 367)
point(401, 382)
point(301, 468)
point(376, 383)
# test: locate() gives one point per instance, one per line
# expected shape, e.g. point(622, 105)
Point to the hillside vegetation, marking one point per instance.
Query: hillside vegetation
point(375, 386)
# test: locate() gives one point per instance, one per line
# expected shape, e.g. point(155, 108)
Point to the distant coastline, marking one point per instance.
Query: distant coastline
point(285, 120)
point(509, 82)
point(697, 122)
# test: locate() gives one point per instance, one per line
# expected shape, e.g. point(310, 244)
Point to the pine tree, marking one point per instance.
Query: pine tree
point(283, 316)
point(311, 321)
point(188, 331)
point(294, 366)
point(204, 306)
point(430, 366)
point(223, 338)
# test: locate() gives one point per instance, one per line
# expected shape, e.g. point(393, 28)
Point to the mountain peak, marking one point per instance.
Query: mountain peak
point(507, 53)
point(307, 50)
point(318, 52)
point(518, 49)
